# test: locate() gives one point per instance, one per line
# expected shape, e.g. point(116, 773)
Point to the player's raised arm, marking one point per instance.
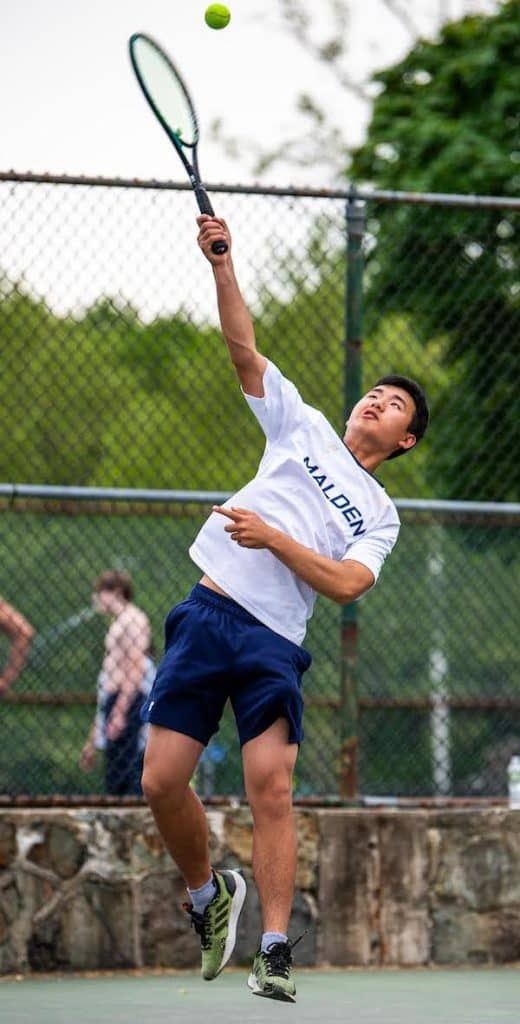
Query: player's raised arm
point(235, 320)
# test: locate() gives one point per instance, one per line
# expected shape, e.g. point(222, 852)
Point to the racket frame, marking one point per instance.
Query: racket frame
point(191, 167)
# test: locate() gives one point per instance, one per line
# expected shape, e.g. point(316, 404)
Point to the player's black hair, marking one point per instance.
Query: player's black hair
point(419, 420)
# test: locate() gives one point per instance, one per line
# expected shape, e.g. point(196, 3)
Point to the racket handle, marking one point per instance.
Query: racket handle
point(220, 247)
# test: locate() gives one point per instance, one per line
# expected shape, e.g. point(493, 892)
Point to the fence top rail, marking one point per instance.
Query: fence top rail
point(55, 492)
point(349, 193)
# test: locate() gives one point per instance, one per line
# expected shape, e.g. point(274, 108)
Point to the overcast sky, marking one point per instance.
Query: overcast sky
point(71, 104)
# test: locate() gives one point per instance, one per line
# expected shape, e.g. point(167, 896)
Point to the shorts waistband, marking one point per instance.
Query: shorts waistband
point(227, 604)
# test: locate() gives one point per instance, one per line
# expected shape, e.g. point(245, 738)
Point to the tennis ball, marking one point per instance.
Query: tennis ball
point(217, 16)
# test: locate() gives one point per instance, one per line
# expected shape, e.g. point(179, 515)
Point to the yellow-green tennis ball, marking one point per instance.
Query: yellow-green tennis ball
point(217, 16)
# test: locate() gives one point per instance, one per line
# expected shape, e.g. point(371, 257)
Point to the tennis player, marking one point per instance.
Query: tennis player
point(314, 519)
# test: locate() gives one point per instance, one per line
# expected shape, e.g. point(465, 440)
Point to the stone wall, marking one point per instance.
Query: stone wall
point(94, 888)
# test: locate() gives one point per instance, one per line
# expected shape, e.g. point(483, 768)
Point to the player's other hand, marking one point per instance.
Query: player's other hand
point(246, 528)
point(213, 229)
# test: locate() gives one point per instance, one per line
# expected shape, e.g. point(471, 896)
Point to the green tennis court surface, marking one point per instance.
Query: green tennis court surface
point(486, 996)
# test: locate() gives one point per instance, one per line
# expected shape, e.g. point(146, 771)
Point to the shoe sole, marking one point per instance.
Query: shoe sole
point(237, 903)
point(274, 993)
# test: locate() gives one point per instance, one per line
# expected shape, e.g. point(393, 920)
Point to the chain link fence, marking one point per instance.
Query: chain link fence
point(122, 423)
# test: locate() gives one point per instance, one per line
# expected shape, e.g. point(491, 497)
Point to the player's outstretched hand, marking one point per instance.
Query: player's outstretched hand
point(246, 528)
point(213, 229)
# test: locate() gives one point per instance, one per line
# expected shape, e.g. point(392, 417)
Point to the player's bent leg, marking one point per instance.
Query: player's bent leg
point(170, 761)
point(269, 761)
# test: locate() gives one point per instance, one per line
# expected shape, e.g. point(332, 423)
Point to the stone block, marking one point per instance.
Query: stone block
point(477, 860)
point(59, 851)
point(10, 907)
point(166, 937)
point(460, 936)
point(347, 891)
point(307, 869)
point(404, 919)
point(96, 926)
point(7, 843)
point(238, 836)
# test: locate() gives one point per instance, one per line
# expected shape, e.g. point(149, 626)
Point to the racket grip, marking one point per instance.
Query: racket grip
point(220, 247)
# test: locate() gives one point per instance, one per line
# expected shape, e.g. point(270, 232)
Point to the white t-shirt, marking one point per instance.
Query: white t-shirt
point(310, 486)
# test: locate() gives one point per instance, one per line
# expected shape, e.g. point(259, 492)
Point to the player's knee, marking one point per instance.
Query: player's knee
point(270, 794)
point(149, 785)
point(157, 787)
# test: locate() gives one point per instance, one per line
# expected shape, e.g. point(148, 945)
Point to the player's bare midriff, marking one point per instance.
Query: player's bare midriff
point(206, 582)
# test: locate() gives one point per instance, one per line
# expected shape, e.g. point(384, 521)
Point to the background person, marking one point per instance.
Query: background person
point(124, 682)
point(20, 633)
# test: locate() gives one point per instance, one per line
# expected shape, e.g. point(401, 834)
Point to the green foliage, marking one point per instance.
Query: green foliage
point(393, 346)
point(107, 400)
point(447, 115)
point(52, 424)
point(447, 119)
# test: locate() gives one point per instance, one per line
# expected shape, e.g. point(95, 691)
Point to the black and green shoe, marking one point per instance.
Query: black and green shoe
point(272, 974)
point(217, 926)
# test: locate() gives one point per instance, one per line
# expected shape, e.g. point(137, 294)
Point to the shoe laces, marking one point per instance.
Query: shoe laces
point(200, 922)
point(278, 957)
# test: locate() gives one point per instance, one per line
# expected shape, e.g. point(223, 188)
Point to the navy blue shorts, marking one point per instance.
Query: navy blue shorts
point(216, 650)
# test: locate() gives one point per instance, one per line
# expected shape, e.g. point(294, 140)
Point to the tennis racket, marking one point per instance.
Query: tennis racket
point(171, 103)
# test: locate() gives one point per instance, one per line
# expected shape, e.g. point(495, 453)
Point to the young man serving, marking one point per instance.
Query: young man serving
point(313, 520)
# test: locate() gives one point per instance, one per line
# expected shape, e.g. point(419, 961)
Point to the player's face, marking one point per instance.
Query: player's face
point(383, 416)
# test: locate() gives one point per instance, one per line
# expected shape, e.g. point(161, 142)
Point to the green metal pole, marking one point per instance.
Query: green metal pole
point(348, 766)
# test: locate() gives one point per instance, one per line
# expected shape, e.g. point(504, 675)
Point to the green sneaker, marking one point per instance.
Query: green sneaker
point(272, 974)
point(217, 926)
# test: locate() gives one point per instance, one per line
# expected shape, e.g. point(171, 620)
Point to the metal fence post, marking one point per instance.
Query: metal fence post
point(348, 764)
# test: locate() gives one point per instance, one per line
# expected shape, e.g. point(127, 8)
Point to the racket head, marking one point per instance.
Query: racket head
point(165, 90)
point(167, 94)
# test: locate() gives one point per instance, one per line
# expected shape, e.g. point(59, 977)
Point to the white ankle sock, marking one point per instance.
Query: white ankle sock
point(268, 938)
point(202, 896)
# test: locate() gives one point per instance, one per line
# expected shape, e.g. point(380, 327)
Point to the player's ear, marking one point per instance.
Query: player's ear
point(408, 441)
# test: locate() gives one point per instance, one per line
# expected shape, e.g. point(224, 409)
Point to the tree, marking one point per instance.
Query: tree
point(346, 41)
point(447, 115)
point(59, 388)
point(447, 119)
point(107, 400)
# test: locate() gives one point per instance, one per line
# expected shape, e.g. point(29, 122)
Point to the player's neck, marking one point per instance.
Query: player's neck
point(364, 453)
